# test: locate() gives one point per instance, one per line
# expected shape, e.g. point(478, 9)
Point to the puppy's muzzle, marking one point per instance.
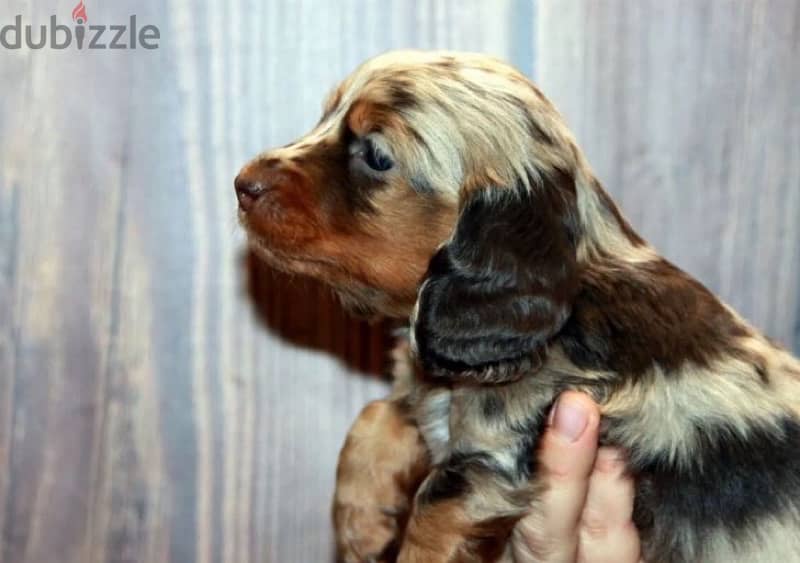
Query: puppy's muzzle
point(256, 180)
point(248, 191)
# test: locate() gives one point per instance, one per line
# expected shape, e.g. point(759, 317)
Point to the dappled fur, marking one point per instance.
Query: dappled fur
point(522, 279)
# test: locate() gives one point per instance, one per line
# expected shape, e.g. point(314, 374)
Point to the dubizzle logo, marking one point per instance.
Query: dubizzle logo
point(79, 13)
point(60, 36)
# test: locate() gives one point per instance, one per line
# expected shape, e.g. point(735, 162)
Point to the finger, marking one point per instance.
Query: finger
point(566, 457)
point(607, 533)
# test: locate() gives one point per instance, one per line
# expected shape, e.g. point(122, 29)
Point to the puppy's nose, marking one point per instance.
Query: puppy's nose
point(248, 190)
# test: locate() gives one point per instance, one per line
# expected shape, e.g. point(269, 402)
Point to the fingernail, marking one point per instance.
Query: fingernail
point(570, 419)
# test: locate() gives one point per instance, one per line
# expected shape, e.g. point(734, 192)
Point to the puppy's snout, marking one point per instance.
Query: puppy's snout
point(248, 190)
point(255, 180)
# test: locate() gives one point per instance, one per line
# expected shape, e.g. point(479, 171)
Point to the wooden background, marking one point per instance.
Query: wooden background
point(165, 398)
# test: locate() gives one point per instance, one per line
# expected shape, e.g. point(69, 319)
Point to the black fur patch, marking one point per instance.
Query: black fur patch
point(451, 479)
point(733, 482)
point(503, 286)
point(529, 434)
point(493, 406)
point(401, 94)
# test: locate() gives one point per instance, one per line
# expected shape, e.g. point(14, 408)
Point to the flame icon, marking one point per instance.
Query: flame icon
point(79, 13)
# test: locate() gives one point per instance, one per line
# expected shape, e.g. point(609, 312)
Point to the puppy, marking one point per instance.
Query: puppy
point(446, 188)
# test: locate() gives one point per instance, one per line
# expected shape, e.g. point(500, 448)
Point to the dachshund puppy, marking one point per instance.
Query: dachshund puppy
point(445, 188)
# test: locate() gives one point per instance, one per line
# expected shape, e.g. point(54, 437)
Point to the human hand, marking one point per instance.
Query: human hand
point(585, 513)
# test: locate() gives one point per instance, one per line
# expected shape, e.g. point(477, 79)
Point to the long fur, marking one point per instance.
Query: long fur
point(522, 280)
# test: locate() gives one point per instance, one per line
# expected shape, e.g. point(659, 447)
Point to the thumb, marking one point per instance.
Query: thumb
point(566, 457)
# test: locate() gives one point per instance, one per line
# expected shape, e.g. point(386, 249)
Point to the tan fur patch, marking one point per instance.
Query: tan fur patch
point(380, 467)
point(665, 410)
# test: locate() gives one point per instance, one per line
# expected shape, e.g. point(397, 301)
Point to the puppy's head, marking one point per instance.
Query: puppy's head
point(451, 168)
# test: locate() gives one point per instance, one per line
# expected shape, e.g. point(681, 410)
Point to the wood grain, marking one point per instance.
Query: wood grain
point(164, 397)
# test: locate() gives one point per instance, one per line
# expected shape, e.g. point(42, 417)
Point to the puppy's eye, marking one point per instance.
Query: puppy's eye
point(376, 158)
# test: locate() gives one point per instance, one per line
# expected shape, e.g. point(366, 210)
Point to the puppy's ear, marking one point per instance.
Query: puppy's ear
point(503, 286)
